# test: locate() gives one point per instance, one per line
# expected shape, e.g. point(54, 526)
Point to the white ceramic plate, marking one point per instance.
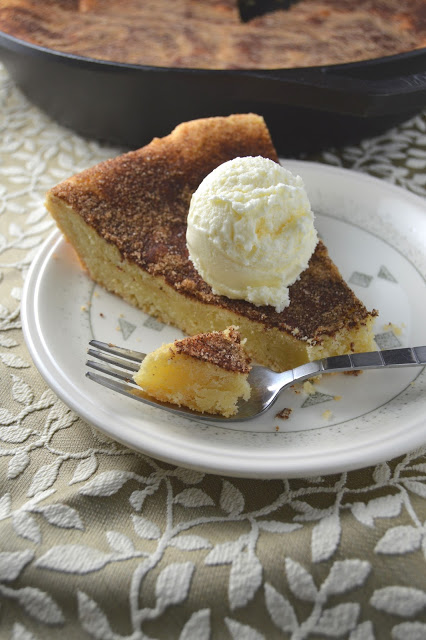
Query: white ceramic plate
point(376, 234)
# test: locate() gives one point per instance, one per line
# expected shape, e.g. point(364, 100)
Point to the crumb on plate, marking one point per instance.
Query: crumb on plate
point(284, 414)
point(309, 388)
point(397, 331)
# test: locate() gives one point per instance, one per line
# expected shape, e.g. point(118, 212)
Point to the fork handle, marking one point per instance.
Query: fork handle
point(403, 357)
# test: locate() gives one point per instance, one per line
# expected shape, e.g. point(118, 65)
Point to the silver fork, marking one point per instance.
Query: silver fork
point(266, 385)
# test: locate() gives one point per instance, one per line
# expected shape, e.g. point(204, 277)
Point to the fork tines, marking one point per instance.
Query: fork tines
point(113, 359)
point(128, 354)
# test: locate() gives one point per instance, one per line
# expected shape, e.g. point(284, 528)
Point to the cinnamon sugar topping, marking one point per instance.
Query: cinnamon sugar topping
point(222, 348)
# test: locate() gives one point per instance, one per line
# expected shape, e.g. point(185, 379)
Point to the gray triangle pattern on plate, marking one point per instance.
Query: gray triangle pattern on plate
point(126, 328)
point(316, 398)
point(385, 274)
point(361, 279)
point(152, 323)
point(387, 340)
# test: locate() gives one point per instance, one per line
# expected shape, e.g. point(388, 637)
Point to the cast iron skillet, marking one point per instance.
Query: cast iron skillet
point(305, 108)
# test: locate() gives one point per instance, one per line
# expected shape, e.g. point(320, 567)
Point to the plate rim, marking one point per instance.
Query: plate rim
point(249, 465)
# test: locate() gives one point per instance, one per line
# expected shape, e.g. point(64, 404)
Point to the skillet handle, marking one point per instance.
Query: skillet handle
point(329, 89)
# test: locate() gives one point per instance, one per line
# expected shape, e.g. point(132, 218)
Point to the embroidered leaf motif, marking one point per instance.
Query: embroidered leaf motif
point(94, 621)
point(39, 497)
point(275, 526)
point(190, 543)
point(44, 477)
point(26, 526)
point(6, 417)
point(105, 484)
point(61, 515)
point(47, 399)
point(10, 360)
point(57, 411)
point(39, 605)
point(280, 610)
point(5, 506)
point(363, 631)
point(244, 579)
point(309, 513)
point(409, 631)
point(419, 467)
point(339, 620)
point(345, 575)
point(231, 499)
point(173, 584)
point(416, 163)
point(419, 488)
point(85, 469)
point(385, 507)
point(12, 563)
point(300, 581)
point(73, 558)
point(382, 473)
point(189, 476)
point(326, 537)
point(400, 540)
point(224, 553)
point(138, 497)
point(193, 498)
point(20, 633)
point(120, 543)
point(400, 601)
point(145, 528)
point(21, 391)
point(17, 464)
point(14, 435)
point(198, 626)
point(239, 631)
point(7, 343)
point(332, 158)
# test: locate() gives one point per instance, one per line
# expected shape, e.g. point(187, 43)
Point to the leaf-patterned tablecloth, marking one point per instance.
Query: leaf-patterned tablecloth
point(97, 541)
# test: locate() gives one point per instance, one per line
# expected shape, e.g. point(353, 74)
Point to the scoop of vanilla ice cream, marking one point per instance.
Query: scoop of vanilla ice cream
point(251, 230)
